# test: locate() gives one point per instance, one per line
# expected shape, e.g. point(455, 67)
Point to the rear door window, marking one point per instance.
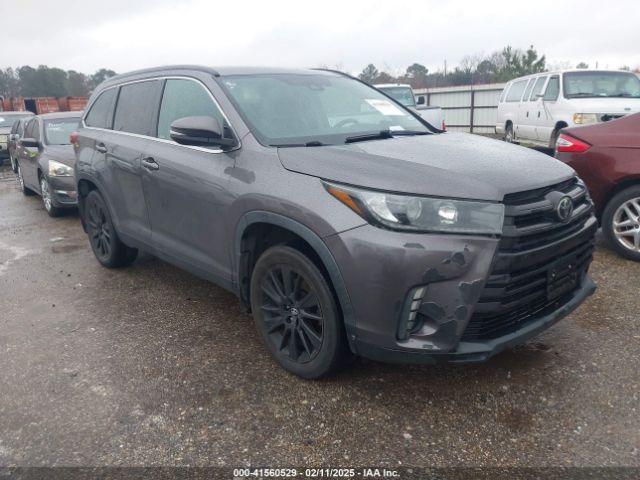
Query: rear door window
point(537, 88)
point(553, 89)
point(185, 98)
point(137, 107)
point(101, 113)
point(32, 130)
point(516, 91)
point(527, 92)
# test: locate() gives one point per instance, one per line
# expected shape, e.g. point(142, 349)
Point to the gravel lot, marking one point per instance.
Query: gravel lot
point(151, 366)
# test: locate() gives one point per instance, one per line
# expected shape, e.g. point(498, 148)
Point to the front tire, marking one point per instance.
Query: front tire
point(110, 251)
point(47, 198)
point(621, 223)
point(296, 314)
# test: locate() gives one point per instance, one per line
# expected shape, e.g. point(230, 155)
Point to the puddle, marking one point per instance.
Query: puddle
point(66, 248)
point(14, 254)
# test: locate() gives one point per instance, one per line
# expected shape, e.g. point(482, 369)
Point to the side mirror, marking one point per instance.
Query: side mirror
point(420, 100)
point(30, 142)
point(201, 131)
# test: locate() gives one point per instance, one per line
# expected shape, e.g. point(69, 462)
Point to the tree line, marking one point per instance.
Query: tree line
point(497, 67)
point(44, 81)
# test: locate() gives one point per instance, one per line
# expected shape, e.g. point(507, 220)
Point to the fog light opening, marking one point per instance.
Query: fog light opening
point(410, 322)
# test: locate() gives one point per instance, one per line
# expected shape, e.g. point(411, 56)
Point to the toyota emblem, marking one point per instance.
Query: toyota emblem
point(564, 208)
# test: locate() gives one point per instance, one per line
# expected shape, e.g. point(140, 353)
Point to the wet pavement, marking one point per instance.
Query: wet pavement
point(150, 365)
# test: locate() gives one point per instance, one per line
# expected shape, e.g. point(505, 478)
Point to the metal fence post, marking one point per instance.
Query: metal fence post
point(472, 110)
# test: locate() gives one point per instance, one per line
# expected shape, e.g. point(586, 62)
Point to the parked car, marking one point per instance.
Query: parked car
point(7, 120)
point(343, 221)
point(45, 160)
point(14, 135)
point(607, 157)
point(403, 93)
point(534, 109)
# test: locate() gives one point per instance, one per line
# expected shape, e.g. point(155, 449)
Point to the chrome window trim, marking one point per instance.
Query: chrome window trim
point(163, 140)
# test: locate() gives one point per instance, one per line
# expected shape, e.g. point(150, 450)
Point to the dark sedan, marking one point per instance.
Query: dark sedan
point(607, 157)
point(7, 119)
point(45, 160)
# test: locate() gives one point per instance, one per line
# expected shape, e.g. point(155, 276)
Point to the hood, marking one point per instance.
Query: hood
point(5, 130)
point(606, 105)
point(60, 153)
point(454, 165)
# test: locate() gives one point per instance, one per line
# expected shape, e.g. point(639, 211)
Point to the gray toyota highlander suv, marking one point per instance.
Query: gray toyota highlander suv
point(342, 220)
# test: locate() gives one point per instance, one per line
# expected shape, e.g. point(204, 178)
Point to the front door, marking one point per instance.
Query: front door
point(28, 156)
point(546, 122)
point(186, 187)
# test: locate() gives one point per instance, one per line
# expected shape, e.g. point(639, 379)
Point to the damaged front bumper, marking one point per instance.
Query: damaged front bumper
point(384, 269)
point(469, 352)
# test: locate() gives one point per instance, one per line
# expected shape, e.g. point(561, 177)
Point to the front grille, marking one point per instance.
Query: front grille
point(540, 260)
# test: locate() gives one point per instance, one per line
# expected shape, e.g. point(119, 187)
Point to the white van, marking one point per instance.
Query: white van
point(533, 109)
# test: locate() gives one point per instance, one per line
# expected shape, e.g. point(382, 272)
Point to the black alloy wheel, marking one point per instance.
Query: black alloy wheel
point(296, 314)
point(104, 240)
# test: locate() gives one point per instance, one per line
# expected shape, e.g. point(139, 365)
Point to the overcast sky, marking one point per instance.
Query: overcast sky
point(128, 34)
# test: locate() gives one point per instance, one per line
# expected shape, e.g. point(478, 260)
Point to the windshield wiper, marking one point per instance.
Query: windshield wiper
point(383, 134)
point(624, 95)
point(313, 143)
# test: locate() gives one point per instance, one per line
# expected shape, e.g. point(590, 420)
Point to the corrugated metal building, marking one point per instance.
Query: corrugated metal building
point(469, 108)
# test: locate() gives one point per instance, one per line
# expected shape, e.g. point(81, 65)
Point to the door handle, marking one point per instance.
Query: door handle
point(538, 114)
point(101, 147)
point(150, 164)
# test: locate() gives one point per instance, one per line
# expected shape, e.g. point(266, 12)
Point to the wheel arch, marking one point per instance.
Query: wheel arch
point(246, 252)
point(615, 190)
point(84, 185)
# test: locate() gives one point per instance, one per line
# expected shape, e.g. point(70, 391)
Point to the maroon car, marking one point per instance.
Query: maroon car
point(607, 157)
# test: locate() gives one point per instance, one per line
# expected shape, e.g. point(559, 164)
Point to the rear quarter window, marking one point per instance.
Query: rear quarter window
point(101, 113)
point(137, 107)
point(516, 91)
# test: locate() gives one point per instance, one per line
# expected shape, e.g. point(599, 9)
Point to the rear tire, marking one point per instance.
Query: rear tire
point(110, 251)
point(621, 223)
point(14, 164)
point(26, 191)
point(296, 314)
point(508, 133)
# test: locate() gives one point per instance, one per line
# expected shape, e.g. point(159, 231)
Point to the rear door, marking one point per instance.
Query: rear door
point(186, 187)
point(525, 126)
point(512, 103)
point(123, 146)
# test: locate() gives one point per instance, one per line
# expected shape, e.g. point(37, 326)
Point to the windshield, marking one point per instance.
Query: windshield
point(9, 120)
point(404, 95)
point(601, 84)
point(320, 109)
point(57, 131)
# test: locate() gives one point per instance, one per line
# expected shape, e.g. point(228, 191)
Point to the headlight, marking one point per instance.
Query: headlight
point(57, 169)
point(584, 118)
point(423, 214)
